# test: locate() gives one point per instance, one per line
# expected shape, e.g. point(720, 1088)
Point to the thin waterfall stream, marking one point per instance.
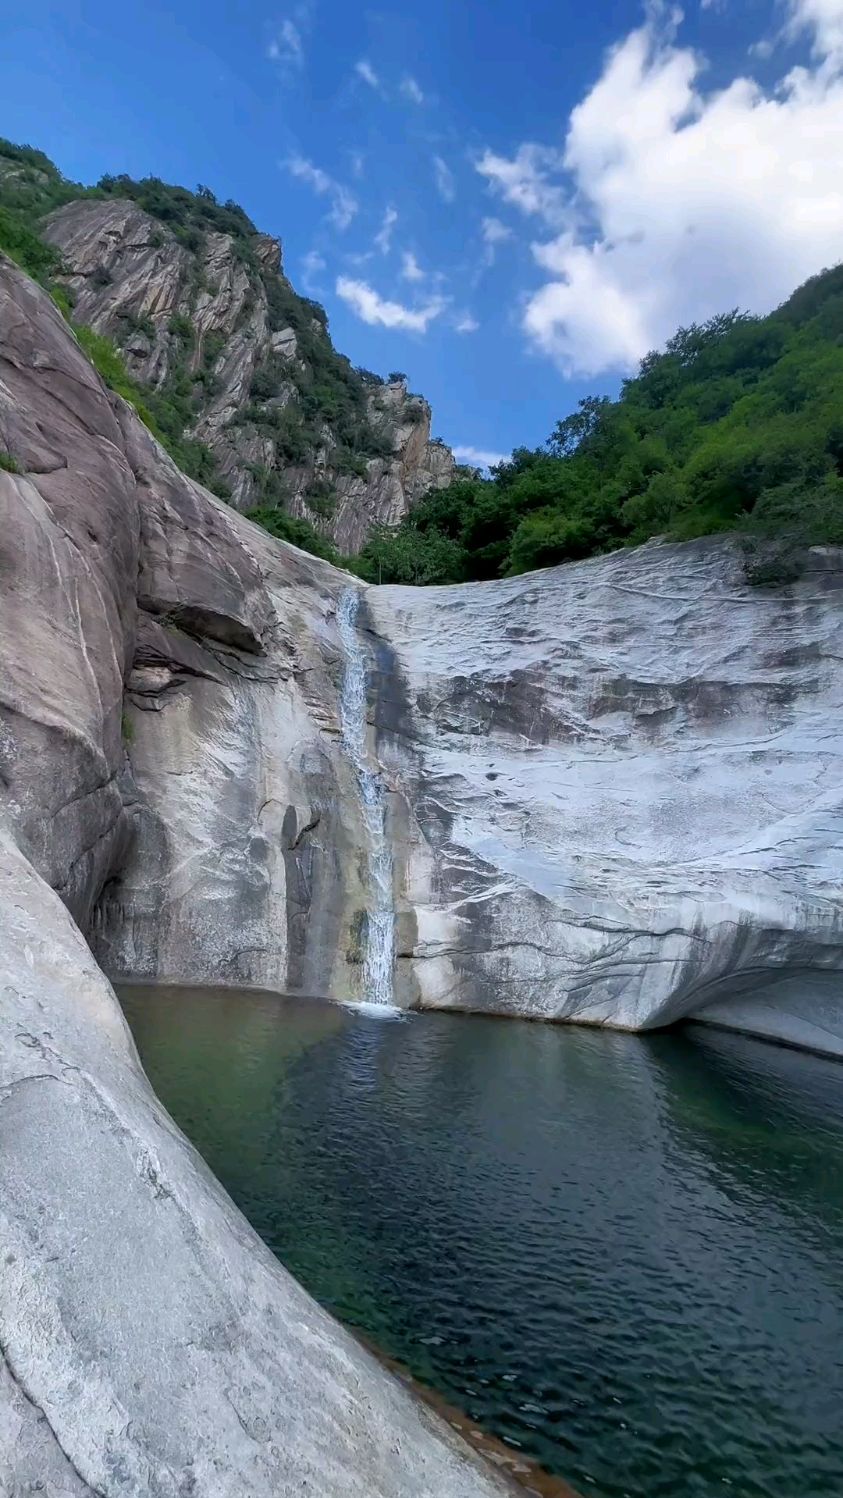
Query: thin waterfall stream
point(379, 937)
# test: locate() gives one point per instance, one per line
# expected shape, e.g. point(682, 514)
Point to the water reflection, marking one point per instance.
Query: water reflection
point(622, 1254)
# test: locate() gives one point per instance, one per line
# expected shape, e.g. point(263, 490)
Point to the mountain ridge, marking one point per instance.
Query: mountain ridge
point(238, 370)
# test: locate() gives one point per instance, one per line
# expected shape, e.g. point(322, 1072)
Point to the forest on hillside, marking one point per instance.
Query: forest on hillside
point(736, 426)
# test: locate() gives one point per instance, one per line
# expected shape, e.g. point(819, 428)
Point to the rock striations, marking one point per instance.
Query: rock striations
point(287, 421)
point(611, 793)
point(149, 1343)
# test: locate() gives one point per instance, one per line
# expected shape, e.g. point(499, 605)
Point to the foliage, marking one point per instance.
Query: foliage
point(38, 259)
point(329, 390)
point(8, 464)
point(188, 214)
point(165, 412)
point(299, 532)
point(736, 425)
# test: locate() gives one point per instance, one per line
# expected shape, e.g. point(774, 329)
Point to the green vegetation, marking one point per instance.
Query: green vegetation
point(25, 248)
point(298, 532)
point(736, 426)
point(329, 391)
point(188, 214)
point(8, 464)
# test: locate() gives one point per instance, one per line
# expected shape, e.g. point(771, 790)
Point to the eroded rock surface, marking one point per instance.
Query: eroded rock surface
point(149, 1343)
point(626, 791)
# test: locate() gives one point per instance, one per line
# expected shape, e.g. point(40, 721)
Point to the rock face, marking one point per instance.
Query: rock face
point(149, 1343)
point(625, 791)
point(207, 322)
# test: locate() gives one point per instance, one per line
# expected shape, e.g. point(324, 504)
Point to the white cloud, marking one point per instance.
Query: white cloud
point(410, 268)
point(467, 324)
point(343, 205)
point(364, 70)
point(312, 265)
point(444, 179)
point(411, 90)
point(358, 162)
point(824, 19)
point(494, 232)
point(287, 46)
point(478, 457)
point(525, 181)
point(672, 203)
point(383, 238)
point(376, 310)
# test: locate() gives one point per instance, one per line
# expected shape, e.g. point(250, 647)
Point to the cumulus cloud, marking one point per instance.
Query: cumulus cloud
point(467, 324)
point(411, 90)
point(444, 179)
point(383, 238)
point(823, 20)
point(378, 311)
point(364, 70)
point(478, 457)
point(670, 203)
point(410, 268)
point(343, 205)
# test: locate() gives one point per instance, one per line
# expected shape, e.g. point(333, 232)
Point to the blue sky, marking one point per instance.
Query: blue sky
point(511, 203)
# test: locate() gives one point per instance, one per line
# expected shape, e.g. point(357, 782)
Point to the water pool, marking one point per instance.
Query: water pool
point(621, 1254)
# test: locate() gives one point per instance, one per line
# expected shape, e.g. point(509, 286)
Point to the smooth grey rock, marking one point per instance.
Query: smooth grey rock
point(69, 554)
point(150, 1345)
point(625, 786)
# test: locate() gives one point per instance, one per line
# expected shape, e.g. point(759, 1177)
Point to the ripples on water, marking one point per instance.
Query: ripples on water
point(621, 1254)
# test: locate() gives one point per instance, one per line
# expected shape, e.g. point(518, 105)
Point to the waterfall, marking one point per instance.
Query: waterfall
point(379, 945)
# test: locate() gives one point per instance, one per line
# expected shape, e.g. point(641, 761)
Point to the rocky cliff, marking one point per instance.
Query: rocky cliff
point(287, 421)
point(243, 373)
point(149, 1343)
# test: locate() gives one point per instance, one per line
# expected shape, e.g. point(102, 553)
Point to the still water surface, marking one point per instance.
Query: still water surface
point(621, 1254)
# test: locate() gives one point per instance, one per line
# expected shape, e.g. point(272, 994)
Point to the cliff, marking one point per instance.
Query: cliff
point(149, 1343)
point(242, 368)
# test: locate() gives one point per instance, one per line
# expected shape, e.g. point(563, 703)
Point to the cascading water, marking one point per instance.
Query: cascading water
point(379, 948)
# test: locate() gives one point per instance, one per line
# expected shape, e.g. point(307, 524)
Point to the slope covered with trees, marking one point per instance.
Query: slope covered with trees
point(737, 425)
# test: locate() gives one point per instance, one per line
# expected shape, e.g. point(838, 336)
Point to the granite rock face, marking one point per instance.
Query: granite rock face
point(625, 791)
point(206, 316)
point(149, 1343)
point(613, 789)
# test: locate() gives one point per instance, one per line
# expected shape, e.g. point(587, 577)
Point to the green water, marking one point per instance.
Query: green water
point(621, 1254)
